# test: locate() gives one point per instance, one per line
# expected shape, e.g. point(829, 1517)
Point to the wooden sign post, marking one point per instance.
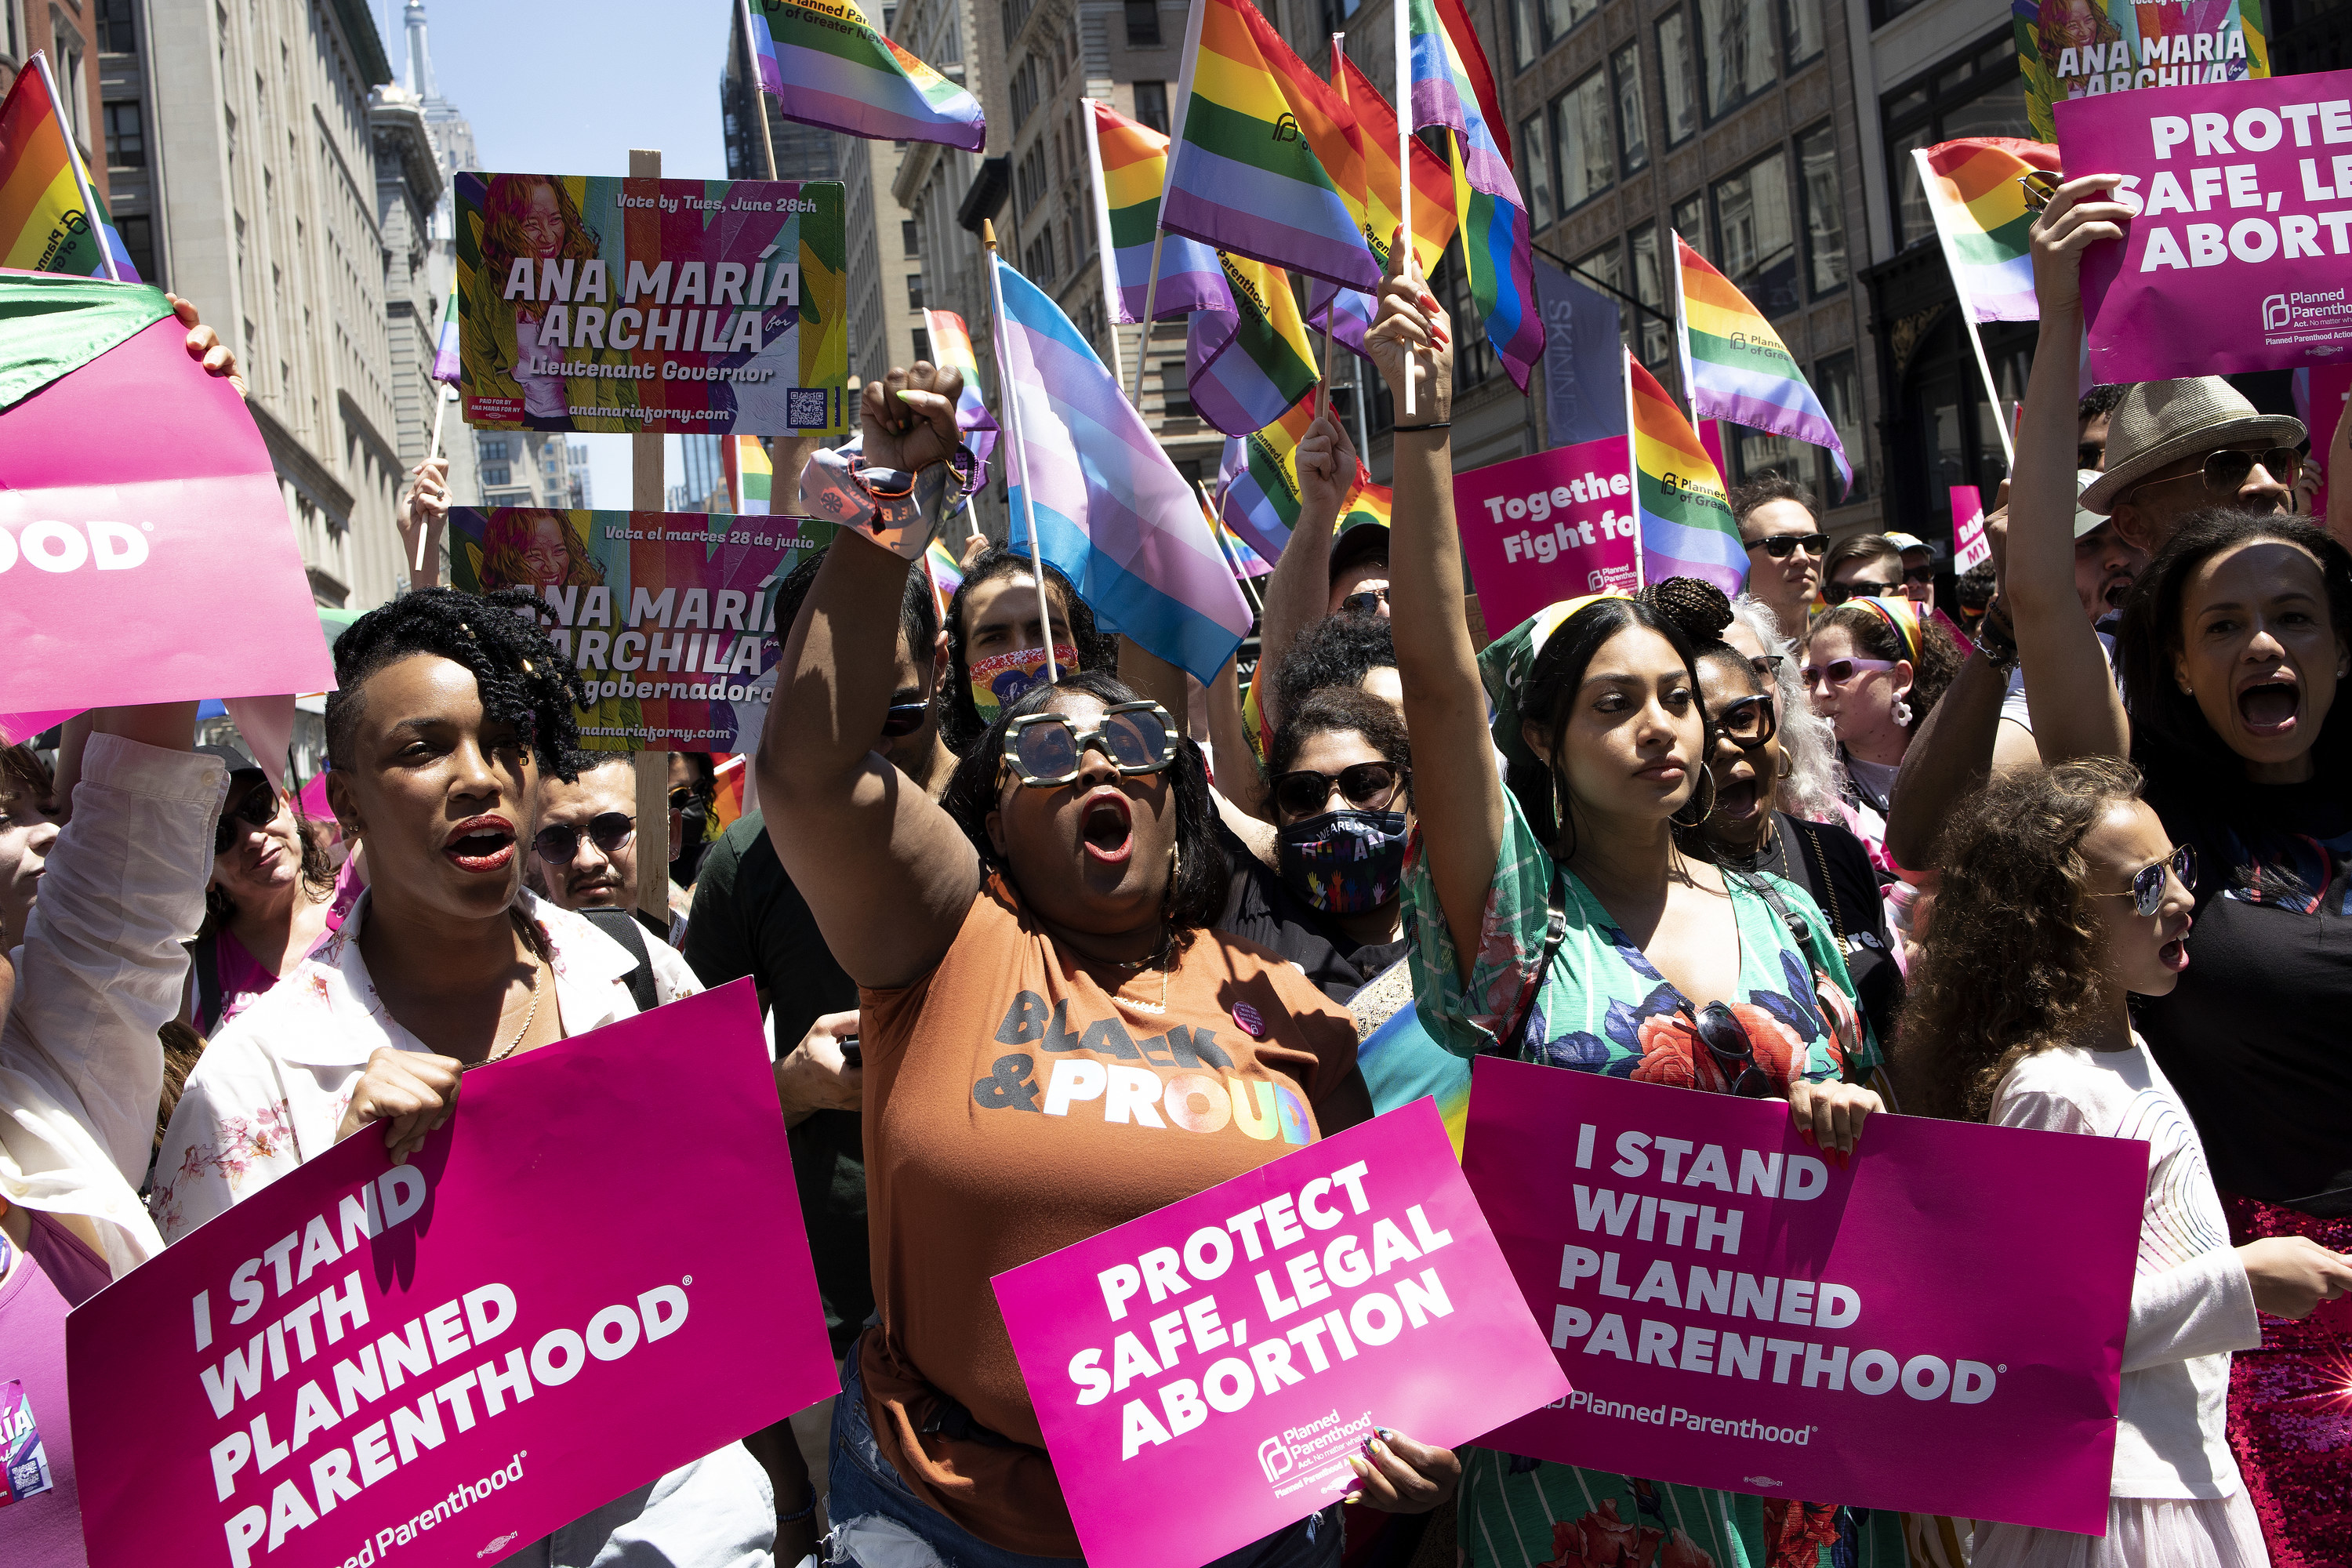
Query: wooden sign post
point(653, 767)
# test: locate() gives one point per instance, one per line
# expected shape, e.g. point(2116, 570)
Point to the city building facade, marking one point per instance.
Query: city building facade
point(75, 36)
point(886, 262)
point(453, 149)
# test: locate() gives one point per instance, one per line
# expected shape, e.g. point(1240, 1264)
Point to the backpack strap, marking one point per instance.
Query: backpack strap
point(1513, 1044)
point(622, 927)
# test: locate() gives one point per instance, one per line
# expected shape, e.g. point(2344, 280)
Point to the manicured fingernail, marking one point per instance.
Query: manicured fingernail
point(1353, 1498)
point(1428, 300)
point(1382, 1433)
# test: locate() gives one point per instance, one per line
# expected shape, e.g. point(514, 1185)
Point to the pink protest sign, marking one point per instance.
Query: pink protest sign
point(144, 555)
point(474, 1348)
point(2321, 396)
point(1202, 1374)
point(1970, 548)
point(1936, 1329)
point(2237, 260)
point(1548, 527)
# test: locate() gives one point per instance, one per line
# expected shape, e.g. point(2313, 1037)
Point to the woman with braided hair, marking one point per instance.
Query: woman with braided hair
point(1572, 919)
point(448, 710)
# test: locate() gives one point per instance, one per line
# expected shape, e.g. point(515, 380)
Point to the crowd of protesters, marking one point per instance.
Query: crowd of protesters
point(2071, 852)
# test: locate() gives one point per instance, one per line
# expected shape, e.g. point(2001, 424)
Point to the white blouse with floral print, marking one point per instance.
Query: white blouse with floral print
point(271, 1089)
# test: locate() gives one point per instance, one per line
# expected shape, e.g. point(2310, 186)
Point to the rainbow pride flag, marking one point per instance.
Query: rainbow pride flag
point(1248, 562)
point(444, 348)
point(1261, 490)
point(1736, 366)
point(1246, 365)
point(1346, 312)
point(1367, 504)
point(750, 478)
point(1131, 168)
point(951, 345)
point(946, 578)
point(1452, 84)
point(828, 66)
point(1496, 251)
point(1687, 527)
point(43, 225)
point(1263, 165)
point(1981, 220)
point(1109, 509)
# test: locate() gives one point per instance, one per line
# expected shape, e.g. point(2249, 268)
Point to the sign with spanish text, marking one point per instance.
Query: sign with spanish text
point(688, 307)
point(1202, 1374)
point(667, 615)
point(1924, 1330)
point(2240, 255)
point(2089, 49)
point(1970, 545)
point(1552, 526)
point(364, 1363)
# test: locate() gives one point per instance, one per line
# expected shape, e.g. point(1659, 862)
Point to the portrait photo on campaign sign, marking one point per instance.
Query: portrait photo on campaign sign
point(2240, 255)
point(689, 307)
point(1920, 1330)
point(1202, 1374)
point(476, 1347)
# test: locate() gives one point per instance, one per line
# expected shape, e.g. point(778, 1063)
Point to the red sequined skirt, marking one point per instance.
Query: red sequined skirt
point(2291, 1407)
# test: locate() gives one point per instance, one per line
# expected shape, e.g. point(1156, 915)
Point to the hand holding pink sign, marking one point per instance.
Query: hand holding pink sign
point(1237, 1348)
point(1921, 1330)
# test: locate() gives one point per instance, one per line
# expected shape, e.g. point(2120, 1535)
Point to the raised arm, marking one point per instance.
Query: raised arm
point(2077, 711)
point(2339, 478)
point(1956, 751)
point(886, 872)
point(1455, 788)
point(1298, 590)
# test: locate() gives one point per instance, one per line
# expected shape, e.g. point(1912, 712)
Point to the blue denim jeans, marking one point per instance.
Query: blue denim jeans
point(878, 1523)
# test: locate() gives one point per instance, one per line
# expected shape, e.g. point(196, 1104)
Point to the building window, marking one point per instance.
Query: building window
point(1037, 260)
point(1824, 196)
point(494, 449)
point(126, 144)
point(1335, 14)
point(1979, 92)
point(1142, 24)
point(1535, 171)
point(914, 291)
point(497, 474)
point(1151, 105)
point(1800, 24)
point(139, 240)
point(1602, 266)
point(911, 238)
point(1838, 380)
point(1559, 15)
point(1689, 219)
point(1755, 238)
point(1654, 342)
point(1525, 47)
point(1632, 129)
point(1674, 74)
point(1736, 52)
point(1175, 392)
point(1579, 128)
point(117, 29)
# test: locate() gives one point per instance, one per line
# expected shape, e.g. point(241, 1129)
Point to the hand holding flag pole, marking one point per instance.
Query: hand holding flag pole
point(1013, 436)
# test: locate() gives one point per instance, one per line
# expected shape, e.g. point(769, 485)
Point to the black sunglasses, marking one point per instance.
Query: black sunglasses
point(1725, 1039)
point(1047, 749)
point(1367, 602)
point(1839, 593)
point(2225, 470)
point(2146, 892)
point(257, 809)
point(685, 797)
point(608, 830)
point(1780, 546)
point(1749, 722)
point(1920, 573)
point(1305, 792)
point(904, 718)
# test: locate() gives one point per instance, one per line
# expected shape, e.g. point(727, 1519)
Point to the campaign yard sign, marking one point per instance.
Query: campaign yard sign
point(1202, 1374)
point(367, 1364)
point(688, 307)
point(1552, 526)
point(2240, 256)
point(1929, 1328)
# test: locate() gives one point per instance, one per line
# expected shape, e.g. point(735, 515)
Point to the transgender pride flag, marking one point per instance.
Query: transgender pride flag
point(1110, 510)
point(828, 66)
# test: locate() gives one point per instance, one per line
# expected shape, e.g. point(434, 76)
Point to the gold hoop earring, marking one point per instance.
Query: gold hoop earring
point(1703, 798)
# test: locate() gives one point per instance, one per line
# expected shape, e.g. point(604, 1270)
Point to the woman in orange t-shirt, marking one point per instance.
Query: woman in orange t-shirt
point(1055, 1039)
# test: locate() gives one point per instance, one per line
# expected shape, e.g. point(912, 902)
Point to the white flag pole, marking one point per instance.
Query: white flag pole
point(1927, 179)
point(440, 411)
point(1110, 257)
point(1010, 398)
point(1404, 162)
point(81, 175)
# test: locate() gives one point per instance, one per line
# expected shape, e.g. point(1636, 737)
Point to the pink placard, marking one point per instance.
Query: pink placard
point(1936, 1329)
point(2330, 386)
point(512, 1323)
point(2237, 260)
point(1202, 1374)
point(1548, 527)
point(146, 555)
point(1970, 546)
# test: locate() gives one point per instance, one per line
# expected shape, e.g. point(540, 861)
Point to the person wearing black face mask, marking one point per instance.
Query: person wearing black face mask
point(1341, 769)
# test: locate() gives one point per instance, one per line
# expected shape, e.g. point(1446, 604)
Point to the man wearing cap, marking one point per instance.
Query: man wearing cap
point(2178, 446)
point(1918, 569)
point(1781, 524)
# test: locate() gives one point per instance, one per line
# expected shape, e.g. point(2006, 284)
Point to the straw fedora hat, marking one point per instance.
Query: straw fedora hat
point(2161, 422)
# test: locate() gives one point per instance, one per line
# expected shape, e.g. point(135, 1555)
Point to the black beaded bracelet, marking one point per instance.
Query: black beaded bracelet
point(796, 1517)
point(1413, 429)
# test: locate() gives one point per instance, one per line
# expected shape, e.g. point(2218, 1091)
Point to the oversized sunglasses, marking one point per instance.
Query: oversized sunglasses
point(1780, 546)
point(607, 830)
point(257, 809)
point(1367, 602)
point(1838, 671)
point(2225, 470)
point(1725, 1039)
point(1305, 792)
point(1749, 722)
point(904, 718)
point(1047, 749)
point(1839, 593)
point(2146, 891)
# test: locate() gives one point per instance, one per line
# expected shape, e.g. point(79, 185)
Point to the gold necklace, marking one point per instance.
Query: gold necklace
point(1161, 958)
point(528, 1017)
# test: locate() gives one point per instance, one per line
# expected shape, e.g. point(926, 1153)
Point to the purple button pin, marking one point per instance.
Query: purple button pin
point(1245, 1017)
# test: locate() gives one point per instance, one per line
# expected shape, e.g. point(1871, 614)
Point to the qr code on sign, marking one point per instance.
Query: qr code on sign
point(807, 408)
